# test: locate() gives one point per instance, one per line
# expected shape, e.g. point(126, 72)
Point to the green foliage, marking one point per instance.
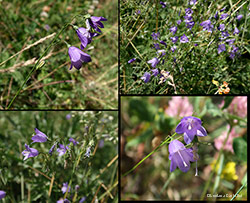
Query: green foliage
point(240, 148)
point(53, 86)
point(193, 67)
point(30, 180)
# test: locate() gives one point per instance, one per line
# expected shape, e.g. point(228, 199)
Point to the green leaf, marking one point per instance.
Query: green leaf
point(141, 138)
point(240, 148)
point(228, 101)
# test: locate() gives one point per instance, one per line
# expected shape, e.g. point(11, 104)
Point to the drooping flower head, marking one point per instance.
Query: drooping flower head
point(173, 29)
point(239, 17)
point(155, 35)
point(207, 25)
point(65, 187)
point(39, 137)
point(52, 148)
point(155, 72)
point(179, 156)
point(190, 126)
point(153, 62)
point(82, 200)
point(131, 60)
point(146, 77)
point(62, 149)
point(236, 31)
point(77, 57)
point(29, 152)
point(221, 48)
point(73, 141)
point(224, 16)
point(188, 11)
point(174, 39)
point(85, 36)
point(95, 23)
point(2, 194)
point(163, 4)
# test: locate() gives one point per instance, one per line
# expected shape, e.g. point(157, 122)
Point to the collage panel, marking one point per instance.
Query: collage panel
point(183, 148)
point(59, 54)
point(184, 47)
point(59, 156)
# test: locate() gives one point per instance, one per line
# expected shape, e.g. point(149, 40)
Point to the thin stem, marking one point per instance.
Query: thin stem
point(164, 142)
point(239, 191)
point(38, 62)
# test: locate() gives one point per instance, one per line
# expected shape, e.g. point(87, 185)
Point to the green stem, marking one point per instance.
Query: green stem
point(148, 155)
point(239, 191)
point(37, 63)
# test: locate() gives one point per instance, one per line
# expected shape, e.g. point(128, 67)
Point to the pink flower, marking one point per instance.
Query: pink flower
point(237, 107)
point(179, 107)
point(218, 142)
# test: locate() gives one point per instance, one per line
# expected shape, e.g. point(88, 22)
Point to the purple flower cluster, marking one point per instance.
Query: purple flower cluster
point(76, 55)
point(66, 188)
point(188, 18)
point(179, 155)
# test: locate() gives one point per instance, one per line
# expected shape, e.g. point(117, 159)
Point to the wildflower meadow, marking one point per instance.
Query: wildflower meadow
point(183, 148)
point(184, 47)
point(59, 156)
point(58, 55)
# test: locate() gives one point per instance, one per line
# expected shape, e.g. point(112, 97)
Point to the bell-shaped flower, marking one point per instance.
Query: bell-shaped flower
point(85, 36)
point(2, 194)
point(190, 126)
point(29, 152)
point(73, 141)
point(179, 156)
point(65, 188)
point(146, 77)
point(153, 62)
point(62, 149)
point(95, 23)
point(77, 57)
point(39, 137)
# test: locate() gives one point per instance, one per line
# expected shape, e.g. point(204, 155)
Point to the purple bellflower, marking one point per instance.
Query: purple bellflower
point(174, 39)
point(164, 43)
point(230, 41)
point(82, 200)
point(2, 194)
point(192, 2)
point(155, 35)
point(173, 48)
point(233, 52)
point(178, 22)
point(88, 151)
point(239, 17)
point(85, 36)
point(77, 57)
point(163, 4)
point(190, 24)
point(161, 52)
point(236, 31)
point(221, 48)
point(146, 77)
point(62, 149)
point(216, 15)
point(190, 126)
point(224, 16)
point(52, 148)
point(39, 137)
point(65, 187)
point(153, 62)
point(207, 25)
point(188, 11)
point(184, 39)
point(132, 60)
point(63, 201)
point(221, 27)
point(68, 116)
point(29, 152)
point(173, 29)
point(156, 46)
point(155, 72)
point(179, 156)
point(95, 23)
point(73, 141)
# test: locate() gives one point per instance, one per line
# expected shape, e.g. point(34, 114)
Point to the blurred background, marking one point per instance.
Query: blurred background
point(147, 121)
point(24, 23)
point(30, 180)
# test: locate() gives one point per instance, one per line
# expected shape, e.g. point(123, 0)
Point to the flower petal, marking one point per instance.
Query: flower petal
point(201, 132)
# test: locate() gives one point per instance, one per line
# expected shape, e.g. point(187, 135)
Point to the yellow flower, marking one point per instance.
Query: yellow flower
point(228, 172)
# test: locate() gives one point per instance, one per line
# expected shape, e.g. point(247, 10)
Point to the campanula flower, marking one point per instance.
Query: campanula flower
point(190, 24)
point(230, 41)
point(192, 2)
point(88, 151)
point(146, 77)
point(2, 194)
point(173, 48)
point(184, 39)
point(164, 43)
point(221, 27)
point(153, 62)
point(82, 200)
point(161, 52)
point(131, 60)
point(221, 48)
point(85, 36)
point(156, 46)
point(73, 141)
point(216, 15)
point(188, 19)
point(95, 23)
point(77, 57)
point(173, 29)
point(62, 149)
point(155, 35)
point(68, 116)
point(52, 148)
point(236, 31)
point(39, 137)
point(29, 152)
point(239, 17)
point(63, 201)
point(188, 11)
point(179, 156)
point(178, 22)
point(224, 16)
point(190, 126)
point(174, 39)
point(163, 4)
point(155, 72)
point(65, 187)
point(207, 25)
